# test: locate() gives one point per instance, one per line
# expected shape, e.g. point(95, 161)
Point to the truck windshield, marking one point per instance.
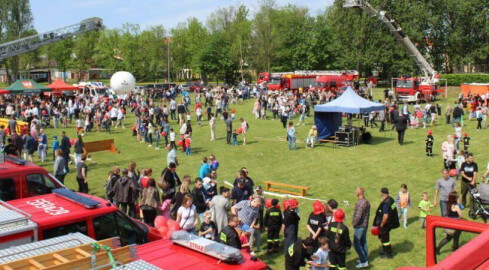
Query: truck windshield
point(274, 80)
point(404, 84)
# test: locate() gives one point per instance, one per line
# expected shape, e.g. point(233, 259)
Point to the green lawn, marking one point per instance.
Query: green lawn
point(330, 172)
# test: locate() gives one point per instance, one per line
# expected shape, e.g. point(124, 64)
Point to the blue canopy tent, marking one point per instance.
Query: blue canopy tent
point(327, 117)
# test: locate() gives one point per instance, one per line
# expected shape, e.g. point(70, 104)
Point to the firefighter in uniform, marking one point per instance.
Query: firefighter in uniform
point(386, 219)
point(273, 223)
point(229, 235)
point(429, 143)
point(339, 241)
point(299, 251)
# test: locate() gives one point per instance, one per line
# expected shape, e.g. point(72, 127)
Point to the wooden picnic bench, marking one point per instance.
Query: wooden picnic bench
point(103, 145)
point(331, 139)
point(302, 192)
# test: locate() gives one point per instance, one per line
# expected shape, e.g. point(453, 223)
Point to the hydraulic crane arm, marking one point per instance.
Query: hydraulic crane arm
point(31, 43)
point(428, 71)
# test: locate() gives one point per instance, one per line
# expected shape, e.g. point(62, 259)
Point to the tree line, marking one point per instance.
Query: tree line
point(234, 44)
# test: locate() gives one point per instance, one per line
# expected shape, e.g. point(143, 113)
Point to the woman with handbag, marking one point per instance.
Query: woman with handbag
point(150, 200)
point(453, 211)
point(187, 216)
point(169, 180)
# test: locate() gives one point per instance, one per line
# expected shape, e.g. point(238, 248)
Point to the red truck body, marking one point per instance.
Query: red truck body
point(332, 83)
point(472, 255)
point(291, 82)
point(21, 179)
point(169, 256)
point(53, 215)
point(410, 89)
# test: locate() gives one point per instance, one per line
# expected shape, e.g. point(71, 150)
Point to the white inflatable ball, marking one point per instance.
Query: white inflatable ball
point(122, 82)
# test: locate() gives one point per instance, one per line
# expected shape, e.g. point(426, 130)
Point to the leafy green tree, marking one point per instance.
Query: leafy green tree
point(18, 24)
point(60, 53)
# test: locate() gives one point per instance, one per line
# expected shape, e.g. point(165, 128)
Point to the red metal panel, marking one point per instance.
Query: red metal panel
point(472, 255)
point(169, 256)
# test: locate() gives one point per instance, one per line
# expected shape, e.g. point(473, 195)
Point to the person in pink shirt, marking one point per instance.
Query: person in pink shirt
point(244, 127)
point(165, 207)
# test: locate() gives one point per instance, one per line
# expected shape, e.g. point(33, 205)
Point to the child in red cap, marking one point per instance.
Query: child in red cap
point(316, 221)
point(339, 240)
point(429, 143)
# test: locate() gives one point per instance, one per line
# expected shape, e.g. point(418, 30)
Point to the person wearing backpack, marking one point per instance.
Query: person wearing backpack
point(386, 218)
point(339, 240)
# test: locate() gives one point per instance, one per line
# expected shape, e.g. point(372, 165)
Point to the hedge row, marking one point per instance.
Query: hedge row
point(458, 79)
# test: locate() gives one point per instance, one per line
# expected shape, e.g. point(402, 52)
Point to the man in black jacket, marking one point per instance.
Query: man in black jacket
point(339, 240)
point(170, 177)
point(386, 219)
point(65, 147)
point(199, 199)
point(299, 251)
point(229, 235)
point(401, 126)
point(457, 113)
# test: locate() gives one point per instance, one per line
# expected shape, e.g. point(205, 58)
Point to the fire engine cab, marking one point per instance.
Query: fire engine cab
point(63, 211)
point(20, 179)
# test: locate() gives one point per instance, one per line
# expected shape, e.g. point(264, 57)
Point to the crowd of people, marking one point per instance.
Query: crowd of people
point(238, 215)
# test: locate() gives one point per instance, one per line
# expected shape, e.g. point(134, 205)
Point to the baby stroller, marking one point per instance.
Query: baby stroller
point(481, 203)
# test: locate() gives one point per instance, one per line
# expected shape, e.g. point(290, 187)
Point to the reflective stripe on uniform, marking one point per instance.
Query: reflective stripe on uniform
point(393, 206)
point(386, 244)
point(274, 214)
point(341, 268)
point(269, 240)
point(291, 250)
point(276, 240)
point(223, 237)
point(334, 229)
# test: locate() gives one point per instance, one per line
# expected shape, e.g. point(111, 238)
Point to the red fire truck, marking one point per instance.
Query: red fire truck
point(412, 89)
point(291, 82)
point(63, 211)
point(332, 80)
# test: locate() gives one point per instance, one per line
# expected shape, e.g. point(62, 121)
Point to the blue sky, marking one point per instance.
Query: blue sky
point(52, 14)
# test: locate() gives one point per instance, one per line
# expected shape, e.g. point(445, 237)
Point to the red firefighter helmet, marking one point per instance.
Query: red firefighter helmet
point(317, 207)
point(287, 204)
point(294, 203)
point(268, 203)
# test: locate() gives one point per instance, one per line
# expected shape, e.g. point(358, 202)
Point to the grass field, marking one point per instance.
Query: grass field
point(330, 172)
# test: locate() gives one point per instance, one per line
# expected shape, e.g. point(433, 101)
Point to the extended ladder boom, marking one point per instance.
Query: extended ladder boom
point(428, 71)
point(31, 43)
